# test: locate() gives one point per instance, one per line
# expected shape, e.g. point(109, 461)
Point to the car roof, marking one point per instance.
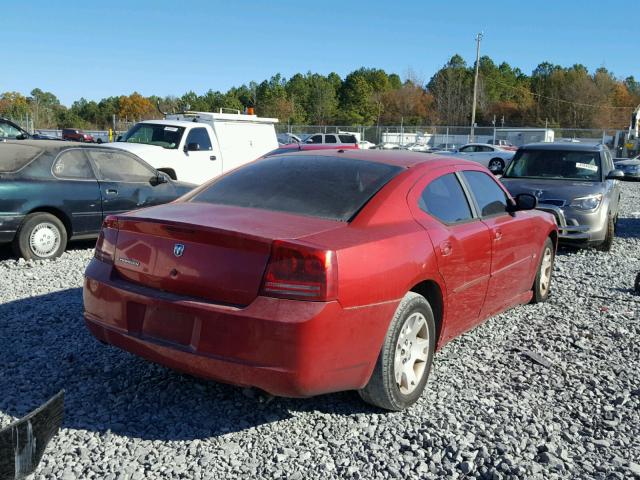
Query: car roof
point(51, 145)
point(570, 146)
point(400, 158)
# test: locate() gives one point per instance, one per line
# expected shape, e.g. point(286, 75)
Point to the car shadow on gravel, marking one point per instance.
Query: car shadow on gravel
point(6, 252)
point(45, 347)
point(628, 227)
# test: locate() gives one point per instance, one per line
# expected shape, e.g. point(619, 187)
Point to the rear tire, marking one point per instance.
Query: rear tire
point(404, 362)
point(169, 171)
point(542, 283)
point(41, 236)
point(496, 165)
point(607, 244)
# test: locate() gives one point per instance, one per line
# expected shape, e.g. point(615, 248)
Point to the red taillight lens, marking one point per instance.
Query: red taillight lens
point(301, 273)
point(106, 244)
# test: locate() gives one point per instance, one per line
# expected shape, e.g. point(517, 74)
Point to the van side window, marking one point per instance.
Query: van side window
point(330, 139)
point(201, 137)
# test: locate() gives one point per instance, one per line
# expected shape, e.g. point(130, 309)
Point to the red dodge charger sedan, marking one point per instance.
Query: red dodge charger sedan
point(315, 272)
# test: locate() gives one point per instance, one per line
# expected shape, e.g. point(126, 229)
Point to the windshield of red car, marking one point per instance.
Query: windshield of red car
point(555, 164)
point(325, 187)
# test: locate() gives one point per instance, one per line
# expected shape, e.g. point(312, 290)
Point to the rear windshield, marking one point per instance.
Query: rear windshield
point(14, 157)
point(325, 187)
point(555, 164)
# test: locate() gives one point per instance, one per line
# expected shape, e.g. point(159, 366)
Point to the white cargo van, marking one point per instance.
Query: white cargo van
point(197, 146)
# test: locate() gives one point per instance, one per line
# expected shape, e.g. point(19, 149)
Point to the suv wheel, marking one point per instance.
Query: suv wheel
point(606, 245)
point(404, 362)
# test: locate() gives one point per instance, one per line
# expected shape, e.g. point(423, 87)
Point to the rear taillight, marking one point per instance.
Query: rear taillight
point(106, 244)
point(301, 273)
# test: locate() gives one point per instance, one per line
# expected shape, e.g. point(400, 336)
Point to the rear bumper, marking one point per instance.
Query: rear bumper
point(578, 227)
point(9, 226)
point(285, 347)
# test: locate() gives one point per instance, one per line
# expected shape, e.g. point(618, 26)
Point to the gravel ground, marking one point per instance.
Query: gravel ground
point(544, 391)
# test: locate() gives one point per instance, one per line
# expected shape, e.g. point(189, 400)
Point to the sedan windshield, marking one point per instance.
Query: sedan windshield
point(165, 136)
point(325, 187)
point(555, 164)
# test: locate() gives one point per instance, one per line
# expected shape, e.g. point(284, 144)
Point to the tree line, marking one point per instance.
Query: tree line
point(553, 95)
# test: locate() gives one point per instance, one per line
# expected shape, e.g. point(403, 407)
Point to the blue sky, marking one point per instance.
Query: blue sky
point(97, 49)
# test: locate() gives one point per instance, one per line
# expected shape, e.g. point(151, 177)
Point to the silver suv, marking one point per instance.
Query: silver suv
point(576, 182)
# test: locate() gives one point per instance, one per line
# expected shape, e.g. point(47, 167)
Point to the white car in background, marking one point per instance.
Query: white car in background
point(366, 145)
point(494, 158)
point(417, 147)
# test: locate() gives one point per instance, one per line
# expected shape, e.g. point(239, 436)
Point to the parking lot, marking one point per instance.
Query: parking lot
point(541, 391)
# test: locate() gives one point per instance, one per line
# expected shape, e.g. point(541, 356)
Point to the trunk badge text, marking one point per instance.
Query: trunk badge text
point(129, 261)
point(178, 249)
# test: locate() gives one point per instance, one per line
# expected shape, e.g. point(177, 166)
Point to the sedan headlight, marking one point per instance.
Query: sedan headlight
point(590, 202)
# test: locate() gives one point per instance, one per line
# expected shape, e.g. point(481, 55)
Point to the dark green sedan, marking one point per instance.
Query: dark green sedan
point(52, 192)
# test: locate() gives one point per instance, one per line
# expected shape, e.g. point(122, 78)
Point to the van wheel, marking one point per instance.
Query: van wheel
point(542, 283)
point(606, 245)
point(404, 362)
point(41, 236)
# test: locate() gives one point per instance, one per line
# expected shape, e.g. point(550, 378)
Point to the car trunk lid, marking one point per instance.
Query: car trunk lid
point(212, 252)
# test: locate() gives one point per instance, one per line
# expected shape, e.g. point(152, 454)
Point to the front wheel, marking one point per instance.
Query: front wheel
point(606, 245)
point(41, 236)
point(404, 362)
point(542, 283)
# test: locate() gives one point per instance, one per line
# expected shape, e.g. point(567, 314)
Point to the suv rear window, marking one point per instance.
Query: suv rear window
point(348, 138)
point(325, 187)
point(14, 157)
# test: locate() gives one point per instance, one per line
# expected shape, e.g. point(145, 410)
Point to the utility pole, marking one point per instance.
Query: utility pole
point(475, 87)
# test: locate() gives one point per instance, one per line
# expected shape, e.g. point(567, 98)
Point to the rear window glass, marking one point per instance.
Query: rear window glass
point(325, 187)
point(348, 138)
point(14, 157)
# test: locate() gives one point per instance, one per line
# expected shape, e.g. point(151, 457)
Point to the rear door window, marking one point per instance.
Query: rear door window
point(201, 137)
point(348, 138)
point(324, 187)
point(330, 139)
point(114, 166)
point(490, 198)
point(444, 199)
point(73, 164)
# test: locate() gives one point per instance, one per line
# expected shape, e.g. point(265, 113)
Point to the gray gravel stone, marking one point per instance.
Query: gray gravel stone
point(489, 411)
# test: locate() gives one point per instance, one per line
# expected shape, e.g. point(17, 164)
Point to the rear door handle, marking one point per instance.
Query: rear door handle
point(212, 157)
point(112, 191)
point(446, 249)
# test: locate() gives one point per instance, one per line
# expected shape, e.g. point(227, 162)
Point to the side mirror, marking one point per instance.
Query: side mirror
point(615, 174)
point(192, 147)
point(523, 201)
point(119, 138)
point(22, 136)
point(159, 179)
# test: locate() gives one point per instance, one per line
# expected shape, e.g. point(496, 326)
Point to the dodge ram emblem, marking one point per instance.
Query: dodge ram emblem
point(178, 249)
